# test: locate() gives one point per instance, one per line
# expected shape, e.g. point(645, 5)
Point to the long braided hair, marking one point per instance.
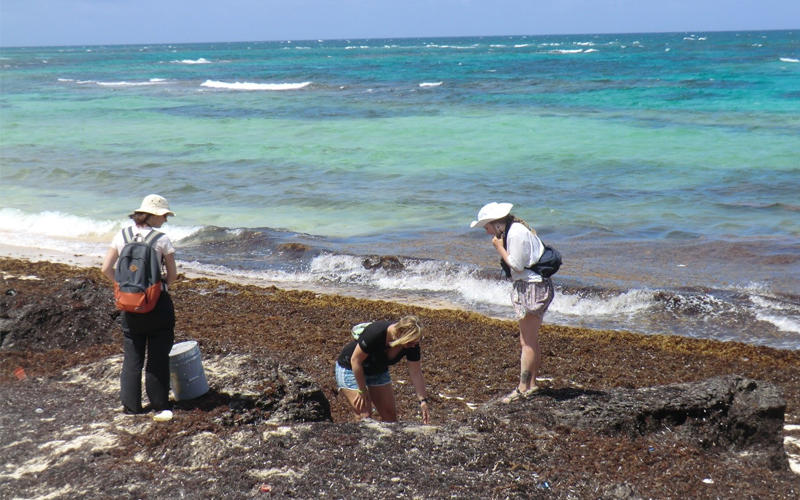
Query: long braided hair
point(510, 219)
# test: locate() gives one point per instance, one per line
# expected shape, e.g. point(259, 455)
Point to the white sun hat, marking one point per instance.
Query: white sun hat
point(491, 211)
point(156, 205)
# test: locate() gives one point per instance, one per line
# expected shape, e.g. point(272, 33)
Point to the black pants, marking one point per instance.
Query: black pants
point(151, 334)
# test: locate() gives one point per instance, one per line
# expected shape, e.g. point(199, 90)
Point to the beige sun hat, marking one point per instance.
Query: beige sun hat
point(156, 205)
point(491, 211)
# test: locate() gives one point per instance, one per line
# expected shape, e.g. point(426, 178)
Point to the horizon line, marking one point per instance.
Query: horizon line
point(318, 40)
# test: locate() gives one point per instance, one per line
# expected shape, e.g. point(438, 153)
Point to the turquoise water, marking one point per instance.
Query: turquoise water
point(664, 166)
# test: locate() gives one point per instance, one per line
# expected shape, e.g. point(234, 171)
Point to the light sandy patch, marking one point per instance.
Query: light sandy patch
point(206, 446)
point(381, 428)
point(423, 430)
point(265, 474)
point(792, 447)
point(66, 491)
point(95, 442)
point(16, 443)
point(101, 376)
point(285, 430)
point(7, 276)
point(56, 451)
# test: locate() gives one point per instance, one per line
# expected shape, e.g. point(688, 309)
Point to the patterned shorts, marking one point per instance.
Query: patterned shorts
point(531, 297)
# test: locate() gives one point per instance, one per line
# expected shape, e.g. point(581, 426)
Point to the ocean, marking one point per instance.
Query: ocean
point(664, 167)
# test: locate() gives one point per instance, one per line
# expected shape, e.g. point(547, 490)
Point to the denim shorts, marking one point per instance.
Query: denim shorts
point(347, 380)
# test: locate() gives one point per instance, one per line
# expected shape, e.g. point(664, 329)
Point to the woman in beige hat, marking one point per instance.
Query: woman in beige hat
point(153, 332)
point(520, 248)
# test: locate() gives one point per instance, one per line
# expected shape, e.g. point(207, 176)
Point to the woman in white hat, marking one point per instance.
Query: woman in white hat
point(153, 332)
point(520, 248)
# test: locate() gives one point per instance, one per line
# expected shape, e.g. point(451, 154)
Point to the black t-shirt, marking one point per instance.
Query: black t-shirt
point(373, 342)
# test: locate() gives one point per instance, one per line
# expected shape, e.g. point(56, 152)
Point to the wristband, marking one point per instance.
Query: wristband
point(361, 391)
point(423, 400)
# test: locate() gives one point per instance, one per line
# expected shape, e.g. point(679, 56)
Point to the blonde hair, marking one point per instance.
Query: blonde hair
point(511, 218)
point(408, 329)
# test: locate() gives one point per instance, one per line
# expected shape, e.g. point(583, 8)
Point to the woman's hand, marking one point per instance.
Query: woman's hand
point(497, 242)
point(362, 403)
point(426, 414)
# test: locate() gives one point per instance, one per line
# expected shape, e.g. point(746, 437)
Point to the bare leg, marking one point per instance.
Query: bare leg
point(351, 396)
point(383, 398)
point(531, 355)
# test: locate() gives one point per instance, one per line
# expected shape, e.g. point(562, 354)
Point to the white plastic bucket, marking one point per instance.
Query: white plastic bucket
point(186, 375)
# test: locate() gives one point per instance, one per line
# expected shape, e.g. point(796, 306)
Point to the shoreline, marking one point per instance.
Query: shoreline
point(78, 264)
point(469, 360)
point(676, 345)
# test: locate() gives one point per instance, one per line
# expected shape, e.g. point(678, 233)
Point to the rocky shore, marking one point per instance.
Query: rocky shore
point(621, 415)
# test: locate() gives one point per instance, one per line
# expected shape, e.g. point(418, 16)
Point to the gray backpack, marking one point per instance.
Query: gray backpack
point(137, 278)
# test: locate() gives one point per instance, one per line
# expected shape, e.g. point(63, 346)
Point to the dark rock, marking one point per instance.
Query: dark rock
point(79, 313)
point(385, 262)
point(259, 390)
point(294, 247)
point(729, 412)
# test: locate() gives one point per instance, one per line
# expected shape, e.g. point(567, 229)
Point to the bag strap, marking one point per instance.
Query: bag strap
point(127, 234)
point(505, 245)
point(152, 237)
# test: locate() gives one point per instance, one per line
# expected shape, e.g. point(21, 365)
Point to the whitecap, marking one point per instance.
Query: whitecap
point(51, 223)
point(152, 81)
point(566, 51)
point(430, 84)
point(626, 303)
point(789, 60)
point(253, 86)
point(201, 60)
point(781, 323)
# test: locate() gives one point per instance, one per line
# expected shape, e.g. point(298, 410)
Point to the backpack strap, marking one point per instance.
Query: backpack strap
point(153, 236)
point(127, 235)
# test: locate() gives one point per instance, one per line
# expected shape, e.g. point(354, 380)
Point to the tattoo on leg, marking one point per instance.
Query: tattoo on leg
point(525, 377)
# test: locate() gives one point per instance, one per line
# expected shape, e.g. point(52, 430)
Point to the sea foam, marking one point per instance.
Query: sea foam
point(152, 81)
point(201, 60)
point(59, 231)
point(254, 86)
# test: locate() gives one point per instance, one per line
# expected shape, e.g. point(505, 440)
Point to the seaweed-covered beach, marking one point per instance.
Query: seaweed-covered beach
point(63, 434)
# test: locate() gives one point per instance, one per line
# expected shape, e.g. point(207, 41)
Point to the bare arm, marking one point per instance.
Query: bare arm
point(172, 268)
point(415, 373)
point(108, 263)
point(357, 363)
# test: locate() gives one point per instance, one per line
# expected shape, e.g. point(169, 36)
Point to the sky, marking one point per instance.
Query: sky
point(101, 22)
